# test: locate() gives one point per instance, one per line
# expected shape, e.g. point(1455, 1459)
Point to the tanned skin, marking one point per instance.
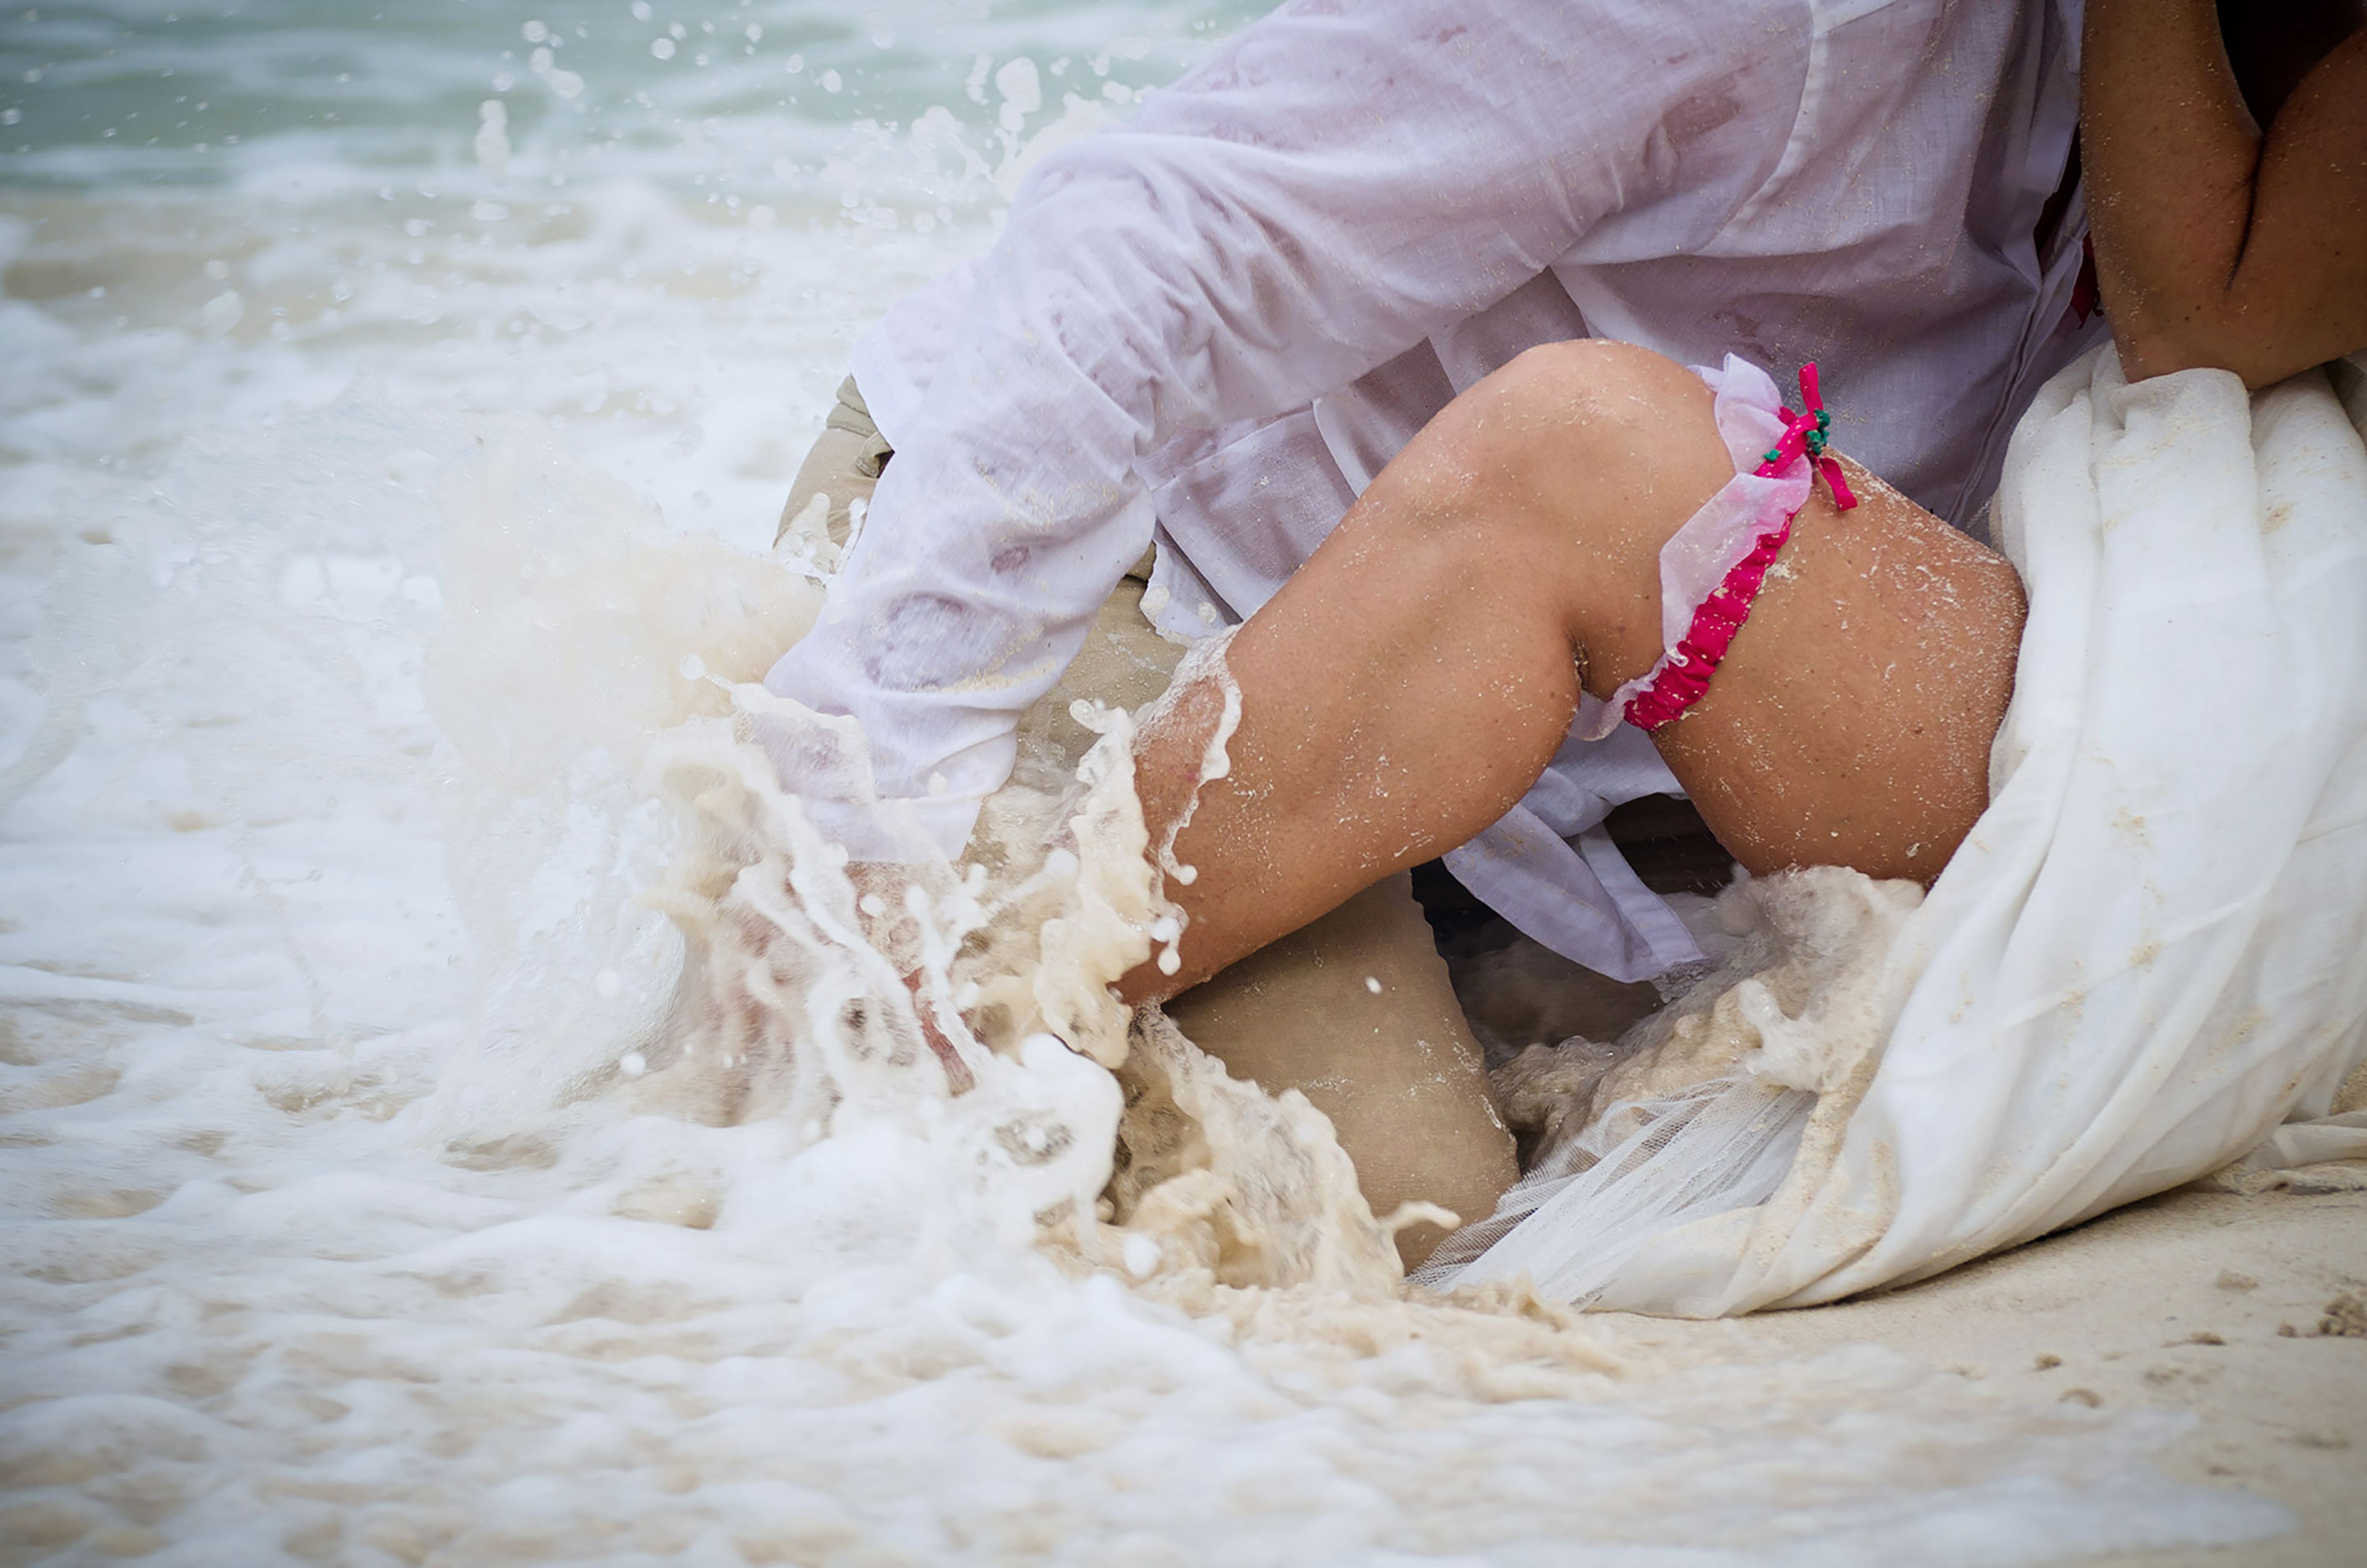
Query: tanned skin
point(2219, 243)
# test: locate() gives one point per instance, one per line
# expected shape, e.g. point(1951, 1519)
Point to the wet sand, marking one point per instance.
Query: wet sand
point(2149, 1307)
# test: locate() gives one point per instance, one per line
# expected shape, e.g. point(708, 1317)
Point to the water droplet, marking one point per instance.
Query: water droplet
point(1141, 1256)
point(493, 137)
point(223, 312)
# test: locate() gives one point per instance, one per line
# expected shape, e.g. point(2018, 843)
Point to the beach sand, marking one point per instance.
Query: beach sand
point(2180, 1303)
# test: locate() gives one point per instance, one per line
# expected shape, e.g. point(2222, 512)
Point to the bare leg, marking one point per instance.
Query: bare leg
point(1394, 1067)
point(1412, 681)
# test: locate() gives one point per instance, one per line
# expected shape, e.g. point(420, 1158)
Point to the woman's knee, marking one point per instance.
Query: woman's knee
point(1568, 470)
point(1596, 442)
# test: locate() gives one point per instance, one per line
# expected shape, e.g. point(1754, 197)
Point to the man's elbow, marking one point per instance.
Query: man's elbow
point(2161, 335)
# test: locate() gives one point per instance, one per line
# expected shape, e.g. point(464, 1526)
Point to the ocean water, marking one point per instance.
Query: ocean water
point(395, 405)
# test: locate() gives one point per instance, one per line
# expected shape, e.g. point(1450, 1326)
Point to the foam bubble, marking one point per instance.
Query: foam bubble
point(493, 141)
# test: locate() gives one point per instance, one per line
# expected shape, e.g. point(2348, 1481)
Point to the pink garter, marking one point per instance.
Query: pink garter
point(1713, 566)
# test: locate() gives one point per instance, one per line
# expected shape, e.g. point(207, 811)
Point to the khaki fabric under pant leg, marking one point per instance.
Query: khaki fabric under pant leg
point(844, 463)
point(1397, 1070)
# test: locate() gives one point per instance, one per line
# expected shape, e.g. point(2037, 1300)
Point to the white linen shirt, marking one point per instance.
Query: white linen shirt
point(1213, 326)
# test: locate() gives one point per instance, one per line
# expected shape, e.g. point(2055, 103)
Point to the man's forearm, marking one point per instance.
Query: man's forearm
point(2221, 243)
point(2171, 153)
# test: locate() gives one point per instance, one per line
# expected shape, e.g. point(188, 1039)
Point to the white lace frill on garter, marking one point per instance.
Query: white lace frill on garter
point(1715, 540)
